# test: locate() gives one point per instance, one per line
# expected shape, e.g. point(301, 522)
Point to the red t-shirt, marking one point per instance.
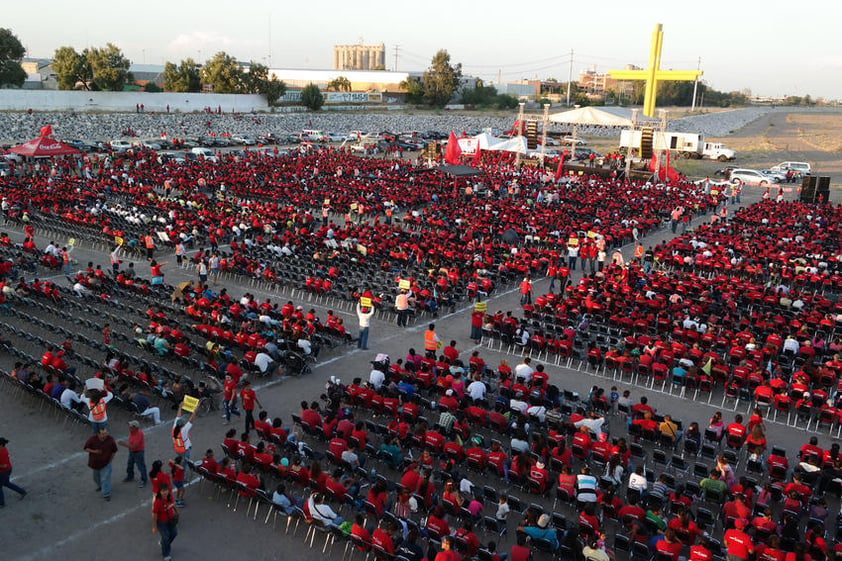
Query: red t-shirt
point(738, 543)
point(248, 396)
point(164, 510)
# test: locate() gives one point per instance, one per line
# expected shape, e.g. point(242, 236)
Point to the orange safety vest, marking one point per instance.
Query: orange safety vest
point(525, 287)
point(150, 243)
point(389, 212)
point(430, 340)
point(402, 302)
point(98, 411)
point(638, 253)
point(178, 444)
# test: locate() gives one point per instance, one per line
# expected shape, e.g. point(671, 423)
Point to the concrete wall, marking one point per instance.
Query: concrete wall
point(60, 100)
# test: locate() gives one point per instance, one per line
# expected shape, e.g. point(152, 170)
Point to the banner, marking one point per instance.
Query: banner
point(404, 284)
point(481, 306)
point(365, 302)
point(189, 404)
point(468, 146)
point(353, 97)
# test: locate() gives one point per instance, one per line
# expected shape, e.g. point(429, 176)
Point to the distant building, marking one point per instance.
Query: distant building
point(39, 74)
point(595, 84)
point(521, 89)
point(145, 73)
point(361, 80)
point(359, 57)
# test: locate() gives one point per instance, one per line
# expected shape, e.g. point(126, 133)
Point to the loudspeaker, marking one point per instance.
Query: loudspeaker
point(823, 189)
point(808, 188)
point(647, 135)
point(531, 135)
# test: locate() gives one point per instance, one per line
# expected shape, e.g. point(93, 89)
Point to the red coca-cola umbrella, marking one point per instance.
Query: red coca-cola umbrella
point(45, 145)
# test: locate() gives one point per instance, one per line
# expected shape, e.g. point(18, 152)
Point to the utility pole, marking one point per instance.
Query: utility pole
point(569, 77)
point(397, 48)
point(270, 39)
point(696, 86)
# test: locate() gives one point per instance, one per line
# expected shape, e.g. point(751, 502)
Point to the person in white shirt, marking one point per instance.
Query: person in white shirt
point(376, 378)
point(68, 398)
point(265, 363)
point(637, 480)
point(537, 411)
point(321, 511)
point(523, 371)
point(476, 389)
point(517, 403)
point(791, 345)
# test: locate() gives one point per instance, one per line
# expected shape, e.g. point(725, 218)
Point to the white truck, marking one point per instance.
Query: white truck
point(686, 144)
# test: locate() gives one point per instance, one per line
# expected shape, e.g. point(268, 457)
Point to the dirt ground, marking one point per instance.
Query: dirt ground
point(801, 135)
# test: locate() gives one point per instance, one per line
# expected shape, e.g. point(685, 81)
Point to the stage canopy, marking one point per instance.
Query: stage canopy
point(597, 116)
point(43, 147)
point(459, 171)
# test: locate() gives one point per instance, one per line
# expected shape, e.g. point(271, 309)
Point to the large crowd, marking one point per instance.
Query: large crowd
point(743, 307)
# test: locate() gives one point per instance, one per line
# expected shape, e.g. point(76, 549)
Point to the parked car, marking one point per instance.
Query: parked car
point(150, 145)
point(120, 145)
point(80, 145)
point(725, 172)
point(780, 176)
point(5, 169)
point(244, 139)
point(742, 176)
point(802, 168)
point(268, 138)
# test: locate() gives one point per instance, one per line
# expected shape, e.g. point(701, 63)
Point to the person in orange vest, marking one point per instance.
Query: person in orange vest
point(66, 260)
point(431, 341)
point(96, 402)
point(638, 253)
point(149, 241)
point(402, 307)
point(389, 215)
point(181, 442)
point(325, 211)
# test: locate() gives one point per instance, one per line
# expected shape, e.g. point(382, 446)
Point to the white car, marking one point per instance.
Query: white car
point(335, 137)
point(741, 176)
point(150, 145)
point(244, 139)
point(802, 168)
point(120, 145)
point(778, 175)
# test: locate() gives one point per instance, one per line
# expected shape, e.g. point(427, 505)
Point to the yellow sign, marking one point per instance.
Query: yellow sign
point(365, 302)
point(573, 241)
point(591, 234)
point(653, 73)
point(481, 306)
point(353, 206)
point(362, 249)
point(118, 240)
point(71, 242)
point(189, 404)
point(327, 202)
point(404, 284)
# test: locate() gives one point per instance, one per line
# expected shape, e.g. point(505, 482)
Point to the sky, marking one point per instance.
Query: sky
point(772, 48)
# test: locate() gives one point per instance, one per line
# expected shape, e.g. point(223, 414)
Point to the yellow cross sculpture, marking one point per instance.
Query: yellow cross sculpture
point(653, 73)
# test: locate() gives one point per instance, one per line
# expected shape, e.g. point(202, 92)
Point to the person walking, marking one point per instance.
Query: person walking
point(101, 448)
point(229, 398)
point(525, 291)
point(6, 474)
point(431, 341)
point(96, 402)
point(402, 307)
point(364, 314)
point(165, 519)
point(115, 261)
point(249, 398)
point(181, 442)
point(137, 454)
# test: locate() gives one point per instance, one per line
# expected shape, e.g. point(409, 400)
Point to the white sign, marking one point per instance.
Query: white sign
point(353, 97)
point(468, 145)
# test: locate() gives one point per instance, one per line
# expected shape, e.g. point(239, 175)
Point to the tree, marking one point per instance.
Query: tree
point(222, 73)
point(109, 66)
point(339, 84)
point(253, 80)
point(441, 79)
point(11, 51)
point(312, 97)
point(414, 91)
point(71, 68)
point(182, 78)
point(152, 87)
point(273, 89)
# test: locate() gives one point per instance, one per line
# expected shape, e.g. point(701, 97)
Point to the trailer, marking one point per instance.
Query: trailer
point(685, 144)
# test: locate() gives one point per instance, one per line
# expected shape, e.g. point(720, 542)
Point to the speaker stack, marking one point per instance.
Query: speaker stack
point(823, 189)
point(531, 135)
point(647, 135)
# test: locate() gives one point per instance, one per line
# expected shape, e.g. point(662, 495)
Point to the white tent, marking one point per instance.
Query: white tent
point(596, 116)
point(514, 144)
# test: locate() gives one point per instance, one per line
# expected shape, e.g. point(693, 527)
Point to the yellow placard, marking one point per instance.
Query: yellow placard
point(327, 202)
point(404, 284)
point(365, 302)
point(591, 234)
point(189, 404)
point(573, 241)
point(362, 249)
point(118, 240)
point(353, 206)
point(71, 242)
point(581, 173)
point(481, 306)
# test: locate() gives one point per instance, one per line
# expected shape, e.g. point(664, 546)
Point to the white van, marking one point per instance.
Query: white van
point(206, 153)
point(313, 135)
point(799, 167)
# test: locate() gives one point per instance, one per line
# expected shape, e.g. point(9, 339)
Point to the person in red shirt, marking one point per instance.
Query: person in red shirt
point(382, 536)
point(521, 551)
point(165, 519)
point(670, 544)
point(209, 463)
point(736, 431)
point(6, 473)
point(700, 553)
point(249, 398)
point(262, 425)
point(158, 478)
point(229, 397)
point(738, 543)
point(136, 444)
point(250, 481)
point(447, 553)
point(436, 523)
point(177, 471)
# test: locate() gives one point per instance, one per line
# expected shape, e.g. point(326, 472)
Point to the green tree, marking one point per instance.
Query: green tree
point(441, 79)
point(182, 78)
point(312, 97)
point(414, 91)
point(222, 73)
point(71, 68)
point(152, 87)
point(339, 84)
point(11, 51)
point(109, 66)
point(273, 89)
point(253, 80)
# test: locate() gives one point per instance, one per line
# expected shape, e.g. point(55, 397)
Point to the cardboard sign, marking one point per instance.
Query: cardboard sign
point(404, 284)
point(71, 242)
point(327, 202)
point(118, 240)
point(353, 206)
point(591, 234)
point(362, 249)
point(94, 384)
point(481, 306)
point(574, 241)
point(189, 404)
point(365, 302)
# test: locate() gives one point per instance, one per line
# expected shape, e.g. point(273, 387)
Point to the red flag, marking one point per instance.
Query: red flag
point(47, 130)
point(475, 161)
point(560, 167)
point(452, 152)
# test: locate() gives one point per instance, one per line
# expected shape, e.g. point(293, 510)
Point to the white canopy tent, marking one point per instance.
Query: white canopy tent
point(597, 116)
point(491, 143)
